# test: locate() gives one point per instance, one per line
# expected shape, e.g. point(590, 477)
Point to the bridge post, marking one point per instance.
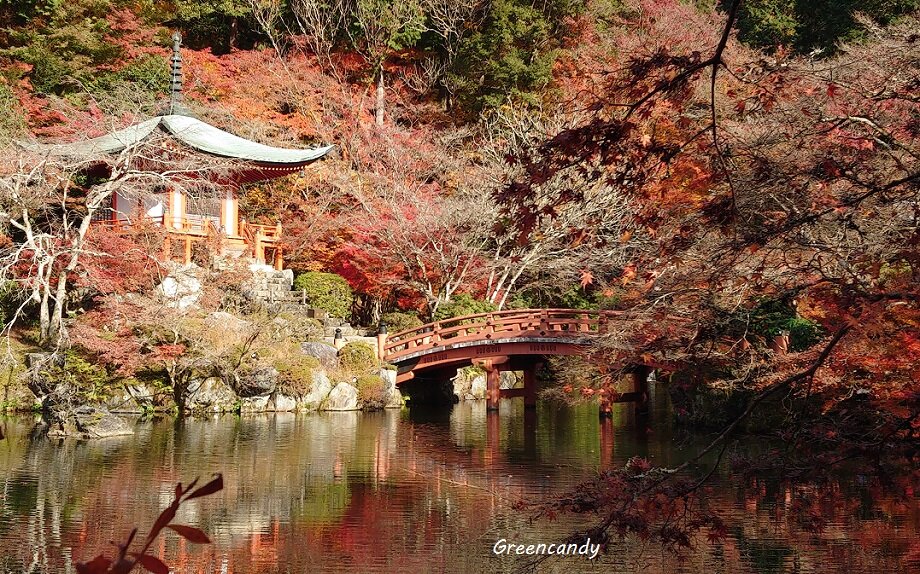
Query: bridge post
point(493, 379)
point(605, 407)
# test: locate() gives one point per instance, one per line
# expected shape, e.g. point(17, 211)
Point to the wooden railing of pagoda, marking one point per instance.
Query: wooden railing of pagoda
point(497, 325)
point(190, 228)
point(259, 237)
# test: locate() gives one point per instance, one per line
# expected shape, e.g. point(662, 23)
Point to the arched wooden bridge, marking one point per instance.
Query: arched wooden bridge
point(496, 341)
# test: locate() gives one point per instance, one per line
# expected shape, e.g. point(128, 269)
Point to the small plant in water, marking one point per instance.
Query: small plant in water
point(126, 560)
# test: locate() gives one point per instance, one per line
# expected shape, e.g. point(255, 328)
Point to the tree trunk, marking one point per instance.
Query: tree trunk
point(378, 111)
point(44, 316)
point(234, 32)
point(60, 300)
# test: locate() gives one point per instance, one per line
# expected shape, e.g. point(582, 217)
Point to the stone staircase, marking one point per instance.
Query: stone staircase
point(269, 285)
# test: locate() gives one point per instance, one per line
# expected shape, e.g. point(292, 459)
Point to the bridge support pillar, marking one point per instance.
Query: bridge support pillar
point(605, 408)
point(493, 379)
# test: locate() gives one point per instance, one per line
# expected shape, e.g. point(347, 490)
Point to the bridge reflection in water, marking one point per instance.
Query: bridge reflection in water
point(420, 490)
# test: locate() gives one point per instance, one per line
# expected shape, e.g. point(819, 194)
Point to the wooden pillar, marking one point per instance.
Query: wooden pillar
point(188, 250)
point(259, 246)
point(381, 342)
point(530, 387)
point(493, 378)
point(229, 214)
point(177, 208)
point(605, 407)
point(279, 261)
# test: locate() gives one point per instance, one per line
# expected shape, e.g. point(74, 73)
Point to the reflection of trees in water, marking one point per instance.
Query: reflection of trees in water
point(381, 491)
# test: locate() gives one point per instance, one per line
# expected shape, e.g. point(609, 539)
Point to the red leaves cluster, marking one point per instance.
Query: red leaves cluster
point(122, 261)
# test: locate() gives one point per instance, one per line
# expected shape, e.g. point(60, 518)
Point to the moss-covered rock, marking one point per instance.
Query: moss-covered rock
point(343, 397)
point(290, 326)
point(371, 392)
point(358, 357)
point(255, 380)
point(295, 374)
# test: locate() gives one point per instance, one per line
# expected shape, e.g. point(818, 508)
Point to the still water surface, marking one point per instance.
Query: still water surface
point(408, 491)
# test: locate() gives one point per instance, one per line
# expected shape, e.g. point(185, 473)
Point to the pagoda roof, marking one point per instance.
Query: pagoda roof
point(197, 135)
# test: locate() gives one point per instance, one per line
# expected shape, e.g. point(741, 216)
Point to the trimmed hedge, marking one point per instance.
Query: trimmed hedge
point(398, 321)
point(358, 357)
point(326, 291)
point(461, 305)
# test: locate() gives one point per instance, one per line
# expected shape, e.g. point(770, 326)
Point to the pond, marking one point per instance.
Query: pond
point(418, 490)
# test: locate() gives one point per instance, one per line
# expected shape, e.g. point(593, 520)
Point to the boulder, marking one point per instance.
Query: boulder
point(90, 422)
point(343, 397)
point(224, 321)
point(282, 403)
point(255, 380)
point(122, 401)
point(103, 424)
point(180, 290)
point(507, 380)
point(211, 394)
point(392, 397)
point(470, 384)
point(320, 388)
point(254, 404)
point(478, 388)
point(327, 355)
point(138, 398)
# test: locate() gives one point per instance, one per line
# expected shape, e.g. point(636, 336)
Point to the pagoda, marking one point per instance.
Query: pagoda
point(185, 221)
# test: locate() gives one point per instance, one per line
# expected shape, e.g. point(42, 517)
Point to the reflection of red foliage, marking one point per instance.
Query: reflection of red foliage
point(127, 560)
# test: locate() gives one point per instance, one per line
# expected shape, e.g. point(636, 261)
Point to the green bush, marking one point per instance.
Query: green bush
point(461, 305)
point(12, 122)
point(295, 374)
point(772, 316)
point(326, 291)
point(371, 391)
point(358, 357)
point(92, 382)
point(148, 73)
point(10, 299)
point(803, 333)
point(398, 321)
point(573, 297)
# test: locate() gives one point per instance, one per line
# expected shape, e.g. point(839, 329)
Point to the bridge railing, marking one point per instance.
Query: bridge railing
point(496, 325)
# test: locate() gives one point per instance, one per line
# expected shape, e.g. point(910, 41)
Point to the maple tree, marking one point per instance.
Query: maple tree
point(754, 177)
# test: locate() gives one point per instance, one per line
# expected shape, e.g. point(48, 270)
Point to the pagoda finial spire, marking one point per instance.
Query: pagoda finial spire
point(175, 87)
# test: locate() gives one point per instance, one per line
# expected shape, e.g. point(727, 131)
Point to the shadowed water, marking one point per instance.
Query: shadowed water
point(416, 491)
